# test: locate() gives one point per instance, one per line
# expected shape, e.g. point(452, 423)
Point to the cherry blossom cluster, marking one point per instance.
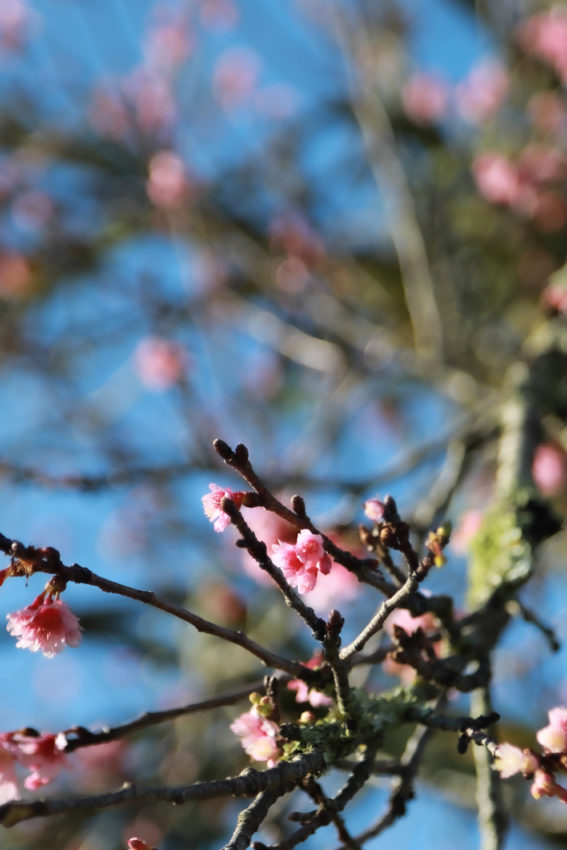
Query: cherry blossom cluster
point(257, 732)
point(540, 767)
point(43, 755)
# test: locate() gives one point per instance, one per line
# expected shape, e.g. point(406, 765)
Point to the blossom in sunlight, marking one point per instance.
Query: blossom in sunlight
point(258, 736)
point(553, 737)
point(212, 505)
point(374, 509)
point(511, 760)
point(302, 561)
point(43, 755)
point(549, 468)
point(425, 98)
point(160, 363)
point(47, 624)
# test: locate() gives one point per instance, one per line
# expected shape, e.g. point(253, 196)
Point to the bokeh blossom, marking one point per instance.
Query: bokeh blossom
point(160, 363)
point(549, 468)
point(553, 737)
point(48, 624)
point(425, 98)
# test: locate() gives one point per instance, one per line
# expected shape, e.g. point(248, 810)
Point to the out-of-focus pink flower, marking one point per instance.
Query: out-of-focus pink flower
point(402, 618)
point(511, 760)
point(555, 296)
point(302, 561)
point(306, 694)
point(258, 736)
point(15, 276)
point(160, 362)
point(170, 41)
point(545, 35)
point(235, 76)
point(47, 624)
point(212, 505)
point(43, 755)
point(541, 164)
point(497, 178)
point(481, 94)
point(340, 586)
point(374, 509)
point(292, 275)
point(425, 98)
point(468, 526)
point(218, 14)
point(547, 111)
point(168, 184)
point(549, 468)
point(15, 20)
point(268, 527)
point(142, 102)
point(137, 844)
point(8, 779)
point(553, 737)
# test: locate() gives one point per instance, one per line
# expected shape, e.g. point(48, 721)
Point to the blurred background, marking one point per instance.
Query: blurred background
point(325, 229)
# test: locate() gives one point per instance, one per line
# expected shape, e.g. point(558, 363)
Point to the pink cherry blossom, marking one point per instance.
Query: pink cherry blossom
point(464, 533)
point(302, 561)
point(374, 509)
point(212, 505)
point(258, 736)
point(160, 363)
point(47, 624)
point(555, 297)
point(43, 755)
point(235, 76)
point(510, 760)
point(549, 468)
point(545, 35)
point(497, 178)
point(425, 98)
point(544, 785)
point(553, 737)
point(481, 94)
point(168, 183)
point(137, 844)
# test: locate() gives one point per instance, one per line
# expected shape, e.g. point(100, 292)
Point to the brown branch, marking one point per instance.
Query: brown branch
point(251, 819)
point(409, 587)
point(29, 560)
point(85, 738)
point(257, 549)
point(365, 569)
point(248, 784)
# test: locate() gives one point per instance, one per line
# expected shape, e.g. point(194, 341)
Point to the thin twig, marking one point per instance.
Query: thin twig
point(82, 737)
point(29, 560)
point(251, 819)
